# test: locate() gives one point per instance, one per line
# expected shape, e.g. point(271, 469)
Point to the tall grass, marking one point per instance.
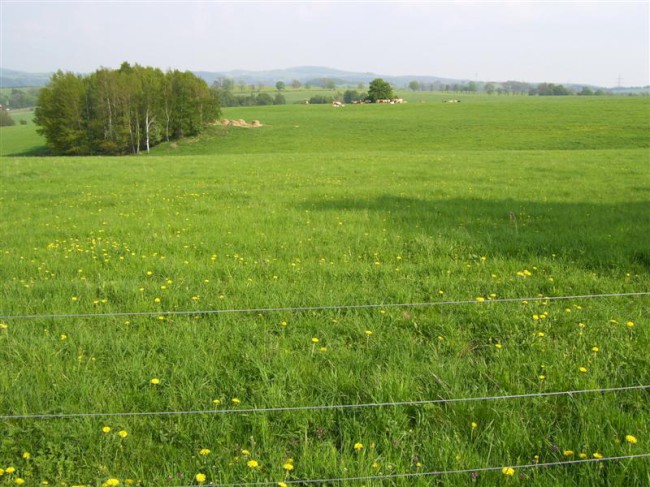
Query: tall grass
point(264, 218)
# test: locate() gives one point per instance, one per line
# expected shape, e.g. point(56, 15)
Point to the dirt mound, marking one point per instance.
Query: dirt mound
point(241, 123)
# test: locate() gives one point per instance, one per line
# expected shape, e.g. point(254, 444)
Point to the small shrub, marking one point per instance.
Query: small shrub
point(5, 119)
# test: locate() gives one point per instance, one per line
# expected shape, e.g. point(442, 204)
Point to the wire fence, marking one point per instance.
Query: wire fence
point(511, 470)
point(320, 308)
point(475, 471)
point(319, 407)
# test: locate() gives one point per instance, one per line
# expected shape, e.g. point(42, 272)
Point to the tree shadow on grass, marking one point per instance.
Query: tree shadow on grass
point(35, 151)
point(595, 236)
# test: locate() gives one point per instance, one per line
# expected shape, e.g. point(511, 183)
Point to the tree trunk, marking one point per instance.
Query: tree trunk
point(146, 127)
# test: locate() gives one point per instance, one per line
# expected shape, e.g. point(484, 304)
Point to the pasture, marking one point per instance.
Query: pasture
point(306, 233)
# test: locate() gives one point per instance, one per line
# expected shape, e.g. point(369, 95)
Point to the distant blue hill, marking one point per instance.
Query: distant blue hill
point(305, 74)
point(315, 75)
point(18, 79)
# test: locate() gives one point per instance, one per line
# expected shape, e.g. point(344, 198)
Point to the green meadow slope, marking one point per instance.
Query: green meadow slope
point(107, 263)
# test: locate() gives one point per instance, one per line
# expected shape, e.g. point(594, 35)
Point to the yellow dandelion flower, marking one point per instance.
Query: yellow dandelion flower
point(508, 471)
point(155, 381)
point(375, 465)
point(252, 464)
point(3, 326)
point(480, 299)
point(200, 478)
point(235, 401)
point(123, 434)
point(631, 439)
point(582, 455)
point(473, 425)
point(541, 377)
point(568, 453)
point(368, 332)
point(630, 324)
point(315, 340)
point(10, 470)
point(358, 446)
point(595, 349)
point(499, 346)
point(245, 453)
point(598, 455)
point(112, 482)
point(288, 467)
point(26, 455)
point(540, 334)
point(583, 369)
point(106, 429)
point(63, 337)
point(282, 484)
point(204, 451)
point(216, 402)
point(19, 481)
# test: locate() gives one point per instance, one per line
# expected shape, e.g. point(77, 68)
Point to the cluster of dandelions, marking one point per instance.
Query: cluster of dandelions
point(121, 433)
point(288, 465)
point(12, 474)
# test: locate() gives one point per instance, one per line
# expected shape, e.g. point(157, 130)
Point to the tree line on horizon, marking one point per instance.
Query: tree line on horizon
point(122, 111)
point(505, 88)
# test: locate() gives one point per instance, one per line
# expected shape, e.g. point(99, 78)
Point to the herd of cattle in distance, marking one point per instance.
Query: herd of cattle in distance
point(392, 101)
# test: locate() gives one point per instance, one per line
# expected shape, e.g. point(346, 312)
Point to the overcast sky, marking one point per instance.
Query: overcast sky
point(592, 42)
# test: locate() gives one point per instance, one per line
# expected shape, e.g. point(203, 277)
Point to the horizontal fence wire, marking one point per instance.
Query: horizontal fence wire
point(433, 473)
point(319, 308)
point(7, 417)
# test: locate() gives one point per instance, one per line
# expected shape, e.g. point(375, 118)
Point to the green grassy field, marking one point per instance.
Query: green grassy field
point(493, 198)
point(21, 139)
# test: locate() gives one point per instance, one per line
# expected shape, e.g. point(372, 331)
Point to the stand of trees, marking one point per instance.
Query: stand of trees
point(228, 99)
point(122, 111)
point(19, 97)
point(379, 89)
